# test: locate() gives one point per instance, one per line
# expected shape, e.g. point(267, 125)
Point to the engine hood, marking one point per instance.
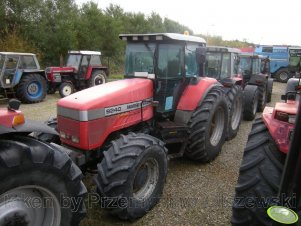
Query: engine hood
point(103, 97)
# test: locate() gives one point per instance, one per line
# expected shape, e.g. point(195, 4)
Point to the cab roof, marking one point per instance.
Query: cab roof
point(17, 53)
point(161, 37)
point(252, 55)
point(84, 52)
point(222, 49)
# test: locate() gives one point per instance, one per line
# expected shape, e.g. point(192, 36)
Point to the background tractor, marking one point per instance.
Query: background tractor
point(123, 129)
point(21, 77)
point(83, 70)
point(222, 64)
point(259, 185)
point(295, 61)
point(257, 83)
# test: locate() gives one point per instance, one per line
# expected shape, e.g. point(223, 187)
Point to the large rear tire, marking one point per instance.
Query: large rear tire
point(259, 178)
point(207, 127)
point(97, 78)
point(250, 102)
point(132, 175)
point(32, 88)
point(270, 90)
point(38, 184)
point(236, 109)
point(262, 97)
point(282, 75)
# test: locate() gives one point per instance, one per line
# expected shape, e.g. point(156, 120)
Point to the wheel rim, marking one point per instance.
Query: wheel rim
point(67, 90)
point(283, 76)
point(99, 79)
point(236, 115)
point(217, 126)
point(146, 179)
point(264, 96)
point(255, 105)
point(34, 89)
point(29, 204)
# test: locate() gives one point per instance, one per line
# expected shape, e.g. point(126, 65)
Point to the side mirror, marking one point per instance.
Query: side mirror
point(201, 55)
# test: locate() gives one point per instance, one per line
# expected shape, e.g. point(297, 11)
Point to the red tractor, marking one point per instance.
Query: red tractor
point(257, 83)
point(83, 70)
point(222, 64)
point(122, 130)
point(263, 162)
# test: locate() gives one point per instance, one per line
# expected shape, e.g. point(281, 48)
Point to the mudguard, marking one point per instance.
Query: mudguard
point(259, 79)
point(195, 93)
point(28, 127)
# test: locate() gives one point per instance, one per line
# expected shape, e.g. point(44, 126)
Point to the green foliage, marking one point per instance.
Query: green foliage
point(52, 27)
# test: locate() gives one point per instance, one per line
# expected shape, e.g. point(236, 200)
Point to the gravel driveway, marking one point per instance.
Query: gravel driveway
point(194, 194)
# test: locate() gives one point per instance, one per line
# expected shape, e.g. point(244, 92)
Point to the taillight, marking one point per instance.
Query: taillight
point(50, 77)
point(285, 117)
point(18, 120)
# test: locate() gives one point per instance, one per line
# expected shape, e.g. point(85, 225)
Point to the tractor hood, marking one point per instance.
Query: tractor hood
point(59, 69)
point(108, 99)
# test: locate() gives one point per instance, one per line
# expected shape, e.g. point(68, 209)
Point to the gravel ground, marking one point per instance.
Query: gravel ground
point(194, 194)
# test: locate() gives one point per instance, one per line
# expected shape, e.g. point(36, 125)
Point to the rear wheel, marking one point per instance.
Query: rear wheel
point(262, 97)
point(31, 88)
point(208, 126)
point(97, 78)
point(132, 174)
point(235, 106)
point(38, 184)
point(270, 90)
point(282, 75)
point(66, 89)
point(250, 102)
point(259, 178)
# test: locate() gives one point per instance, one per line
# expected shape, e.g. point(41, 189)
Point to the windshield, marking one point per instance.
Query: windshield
point(245, 65)
point(139, 58)
point(73, 60)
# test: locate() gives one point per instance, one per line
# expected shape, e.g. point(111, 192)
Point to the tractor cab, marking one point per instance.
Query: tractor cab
point(294, 60)
point(13, 64)
point(168, 59)
point(221, 63)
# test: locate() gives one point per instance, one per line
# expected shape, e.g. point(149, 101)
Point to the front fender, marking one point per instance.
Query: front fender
point(28, 127)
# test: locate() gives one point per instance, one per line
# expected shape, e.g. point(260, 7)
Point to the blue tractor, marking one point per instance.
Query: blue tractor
point(21, 77)
point(279, 57)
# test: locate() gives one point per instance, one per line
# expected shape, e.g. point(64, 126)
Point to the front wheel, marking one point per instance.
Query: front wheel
point(132, 175)
point(66, 89)
point(259, 178)
point(97, 78)
point(38, 184)
point(207, 127)
point(31, 88)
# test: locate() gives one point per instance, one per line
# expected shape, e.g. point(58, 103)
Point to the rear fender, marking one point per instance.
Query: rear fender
point(258, 79)
point(192, 96)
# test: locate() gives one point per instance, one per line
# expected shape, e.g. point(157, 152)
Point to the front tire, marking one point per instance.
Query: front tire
point(207, 127)
point(132, 175)
point(235, 112)
point(66, 89)
point(97, 78)
point(31, 88)
point(259, 178)
point(33, 170)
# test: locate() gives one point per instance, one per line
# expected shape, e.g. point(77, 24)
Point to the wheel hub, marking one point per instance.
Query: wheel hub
point(33, 88)
point(236, 115)
point(29, 205)
point(217, 126)
point(146, 179)
point(99, 79)
point(67, 90)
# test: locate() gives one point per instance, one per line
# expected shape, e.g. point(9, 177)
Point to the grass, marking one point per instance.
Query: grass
point(113, 77)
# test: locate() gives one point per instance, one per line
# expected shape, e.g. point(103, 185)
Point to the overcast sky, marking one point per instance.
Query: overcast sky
point(258, 21)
